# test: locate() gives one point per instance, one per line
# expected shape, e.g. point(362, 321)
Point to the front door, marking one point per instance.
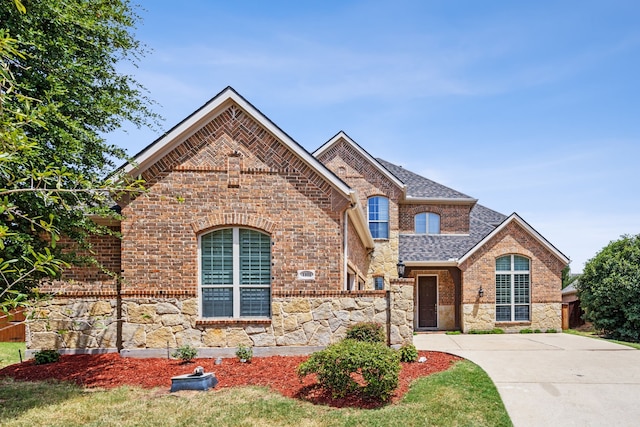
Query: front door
point(427, 302)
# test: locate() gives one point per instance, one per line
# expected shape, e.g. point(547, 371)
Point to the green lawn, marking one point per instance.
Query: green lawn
point(593, 334)
point(9, 353)
point(461, 396)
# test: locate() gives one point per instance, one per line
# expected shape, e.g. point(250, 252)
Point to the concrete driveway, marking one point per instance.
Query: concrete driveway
point(553, 379)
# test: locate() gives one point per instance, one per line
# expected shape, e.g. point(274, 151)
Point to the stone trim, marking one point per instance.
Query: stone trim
point(232, 322)
point(217, 220)
point(328, 294)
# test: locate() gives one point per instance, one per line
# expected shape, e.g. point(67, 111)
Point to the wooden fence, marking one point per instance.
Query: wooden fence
point(12, 326)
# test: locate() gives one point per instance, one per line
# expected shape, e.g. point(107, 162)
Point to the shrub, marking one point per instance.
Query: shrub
point(46, 356)
point(244, 353)
point(337, 366)
point(408, 353)
point(551, 331)
point(187, 353)
point(609, 289)
point(488, 331)
point(453, 333)
point(526, 331)
point(367, 332)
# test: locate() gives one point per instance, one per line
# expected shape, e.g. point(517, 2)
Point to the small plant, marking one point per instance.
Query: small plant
point(526, 331)
point(375, 366)
point(187, 353)
point(453, 333)
point(487, 331)
point(537, 331)
point(366, 332)
point(551, 331)
point(46, 356)
point(245, 354)
point(408, 353)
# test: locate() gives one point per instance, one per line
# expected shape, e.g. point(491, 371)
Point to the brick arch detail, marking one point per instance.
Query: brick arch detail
point(216, 220)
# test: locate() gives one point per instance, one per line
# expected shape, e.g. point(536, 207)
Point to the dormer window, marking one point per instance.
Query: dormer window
point(427, 223)
point(378, 208)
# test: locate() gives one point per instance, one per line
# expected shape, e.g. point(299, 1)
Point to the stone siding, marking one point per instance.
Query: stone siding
point(84, 324)
point(481, 317)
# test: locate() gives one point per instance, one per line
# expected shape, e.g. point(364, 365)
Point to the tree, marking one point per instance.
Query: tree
point(567, 277)
point(60, 93)
point(609, 289)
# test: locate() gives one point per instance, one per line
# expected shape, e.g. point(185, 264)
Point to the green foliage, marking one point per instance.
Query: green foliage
point(551, 331)
point(244, 353)
point(337, 365)
point(453, 333)
point(186, 353)
point(526, 331)
point(487, 331)
point(46, 356)
point(567, 277)
point(408, 353)
point(609, 289)
point(60, 92)
point(367, 332)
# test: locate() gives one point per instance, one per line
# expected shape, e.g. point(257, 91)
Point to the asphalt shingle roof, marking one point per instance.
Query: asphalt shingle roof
point(441, 247)
point(419, 186)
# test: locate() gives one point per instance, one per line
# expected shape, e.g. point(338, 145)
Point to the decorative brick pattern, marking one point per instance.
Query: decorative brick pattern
point(454, 219)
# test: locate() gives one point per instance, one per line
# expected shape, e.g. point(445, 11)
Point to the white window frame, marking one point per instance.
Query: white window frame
point(428, 218)
point(236, 285)
point(512, 272)
point(378, 221)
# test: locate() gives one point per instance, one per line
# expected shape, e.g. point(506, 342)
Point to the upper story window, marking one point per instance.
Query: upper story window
point(235, 266)
point(378, 208)
point(427, 223)
point(512, 288)
point(378, 283)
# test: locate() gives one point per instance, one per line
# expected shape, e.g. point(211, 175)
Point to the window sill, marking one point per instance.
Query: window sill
point(514, 323)
point(232, 322)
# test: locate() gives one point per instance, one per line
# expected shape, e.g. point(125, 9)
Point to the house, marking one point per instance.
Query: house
point(247, 238)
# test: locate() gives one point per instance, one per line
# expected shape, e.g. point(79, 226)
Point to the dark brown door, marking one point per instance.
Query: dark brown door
point(427, 302)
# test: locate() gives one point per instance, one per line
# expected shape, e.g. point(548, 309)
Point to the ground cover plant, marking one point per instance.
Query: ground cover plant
point(462, 395)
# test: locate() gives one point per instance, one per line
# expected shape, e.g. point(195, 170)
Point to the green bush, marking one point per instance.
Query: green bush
point(408, 353)
point(244, 353)
point(338, 364)
point(526, 331)
point(609, 289)
point(488, 331)
point(551, 331)
point(187, 353)
point(46, 356)
point(367, 332)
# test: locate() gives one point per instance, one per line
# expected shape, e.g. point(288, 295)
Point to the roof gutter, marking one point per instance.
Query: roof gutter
point(448, 263)
point(359, 220)
point(440, 200)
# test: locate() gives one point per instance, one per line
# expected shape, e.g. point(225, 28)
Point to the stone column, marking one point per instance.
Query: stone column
point(401, 311)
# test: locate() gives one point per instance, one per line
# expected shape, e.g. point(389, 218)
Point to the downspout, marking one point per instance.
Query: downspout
point(345, 246)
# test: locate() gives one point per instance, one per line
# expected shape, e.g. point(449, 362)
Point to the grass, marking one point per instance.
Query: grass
point(461, 396)
point(593, 334)
point(9, 353)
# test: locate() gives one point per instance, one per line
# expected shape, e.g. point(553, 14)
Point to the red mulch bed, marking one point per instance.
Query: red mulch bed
point(276, 372)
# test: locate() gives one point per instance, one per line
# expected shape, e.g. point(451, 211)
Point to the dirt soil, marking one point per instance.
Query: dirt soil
point(276, 372)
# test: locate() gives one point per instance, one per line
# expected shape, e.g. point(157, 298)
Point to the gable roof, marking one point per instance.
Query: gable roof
point(343, 136)
point(215, 106)
point(423, 189)
point(515, 218)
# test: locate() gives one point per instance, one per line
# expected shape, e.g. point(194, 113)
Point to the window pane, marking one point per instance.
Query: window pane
point(503, 289)
point(520, 263)
point(255, 302)
point(521, 288)
point(379, 230)
point(503, 313)
point(217, 302)
point(421, 223)
point(378, 209)
point(255, 258)
point(378, 283)
point(522, 312)
point(217, 257)
point(503, 263)
point(434, 223)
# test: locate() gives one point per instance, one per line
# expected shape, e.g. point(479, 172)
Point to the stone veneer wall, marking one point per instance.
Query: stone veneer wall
point(481, 317)
point(80, 325)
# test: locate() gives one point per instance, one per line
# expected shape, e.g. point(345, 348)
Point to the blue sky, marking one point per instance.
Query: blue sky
point(531, 107)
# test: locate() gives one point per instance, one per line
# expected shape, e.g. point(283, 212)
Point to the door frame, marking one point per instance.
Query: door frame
point(416, 318)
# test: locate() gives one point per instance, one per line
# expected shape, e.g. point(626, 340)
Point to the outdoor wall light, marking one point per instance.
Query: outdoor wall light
point(400, 265)
point(480, 292)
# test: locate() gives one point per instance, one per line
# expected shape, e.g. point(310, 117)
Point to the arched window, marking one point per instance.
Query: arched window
point(427, 223)
point(512, 289)
point(378, 208)
point(235, 265)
